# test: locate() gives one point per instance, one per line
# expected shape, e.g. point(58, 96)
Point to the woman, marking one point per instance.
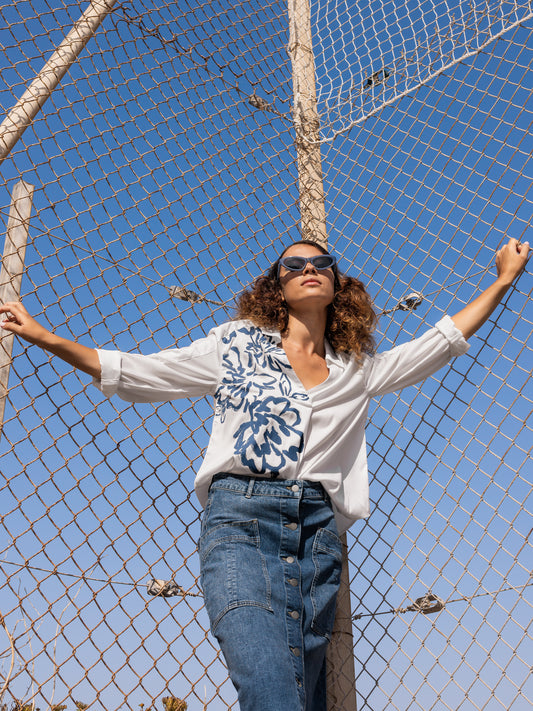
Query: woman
point(285, 470)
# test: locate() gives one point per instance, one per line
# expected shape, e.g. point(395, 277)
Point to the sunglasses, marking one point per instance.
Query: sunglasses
point(298, 264)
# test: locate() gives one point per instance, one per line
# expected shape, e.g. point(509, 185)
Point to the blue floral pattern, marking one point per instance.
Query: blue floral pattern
point(255, 381)
point(270, 437)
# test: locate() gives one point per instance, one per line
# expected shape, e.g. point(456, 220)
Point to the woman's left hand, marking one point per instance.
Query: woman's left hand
point(511, 260)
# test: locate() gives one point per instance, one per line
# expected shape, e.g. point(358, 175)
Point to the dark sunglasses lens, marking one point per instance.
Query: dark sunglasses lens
point(294, 263)
point(323, 261)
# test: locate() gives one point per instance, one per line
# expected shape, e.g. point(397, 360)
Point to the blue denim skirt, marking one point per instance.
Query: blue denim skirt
point(271, 563)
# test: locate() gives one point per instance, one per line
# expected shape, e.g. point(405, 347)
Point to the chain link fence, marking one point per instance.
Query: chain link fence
point(166, 179)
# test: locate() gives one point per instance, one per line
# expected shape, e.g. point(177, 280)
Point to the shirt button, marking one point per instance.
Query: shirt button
point(295, 487)
point(293, 526)
point(289, 559)
point(295, 614)
point(295, 651)
point(293, 582)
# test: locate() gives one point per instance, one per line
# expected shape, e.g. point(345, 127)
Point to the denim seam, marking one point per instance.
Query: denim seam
point(234, 605)
point(306, 495)
point(319, 547)
point(314, 625)
point(329, 551)
point(233, 538)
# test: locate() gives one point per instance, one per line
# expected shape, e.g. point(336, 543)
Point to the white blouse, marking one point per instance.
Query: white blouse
point(266, 423)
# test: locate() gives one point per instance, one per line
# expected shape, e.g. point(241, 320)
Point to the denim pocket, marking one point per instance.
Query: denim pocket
point(233, 569)
point(327, 559)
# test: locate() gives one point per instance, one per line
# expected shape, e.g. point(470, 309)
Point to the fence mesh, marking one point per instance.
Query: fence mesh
point(164, 164)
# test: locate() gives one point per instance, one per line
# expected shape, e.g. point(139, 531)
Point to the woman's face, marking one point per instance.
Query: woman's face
point(309, 288)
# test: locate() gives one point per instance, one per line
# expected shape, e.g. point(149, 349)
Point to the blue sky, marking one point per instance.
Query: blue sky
point(152, 171)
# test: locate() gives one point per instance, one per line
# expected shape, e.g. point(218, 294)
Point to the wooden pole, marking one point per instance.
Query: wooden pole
point(341, 694)
point(11, 273)
point(29, 104)
point(306, 124)
point(340, 659)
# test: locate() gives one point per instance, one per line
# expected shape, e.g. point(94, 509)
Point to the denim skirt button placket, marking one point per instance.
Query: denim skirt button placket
point(289, 546)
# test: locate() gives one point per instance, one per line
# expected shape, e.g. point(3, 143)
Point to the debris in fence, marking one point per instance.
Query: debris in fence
point(427, 604)
point(378, 77)
point(259, 103)
point(411, 301)
point(172, 703)
point(180, 292)
point(164, 588)
point(408, 303)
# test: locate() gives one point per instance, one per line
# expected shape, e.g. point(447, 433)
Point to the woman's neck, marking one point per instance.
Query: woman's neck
point(306, 333)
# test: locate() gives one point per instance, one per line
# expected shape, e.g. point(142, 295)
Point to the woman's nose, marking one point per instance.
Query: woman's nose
point(309, 267)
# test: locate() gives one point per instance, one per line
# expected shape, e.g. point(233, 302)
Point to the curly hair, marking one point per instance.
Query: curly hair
point(350, 320)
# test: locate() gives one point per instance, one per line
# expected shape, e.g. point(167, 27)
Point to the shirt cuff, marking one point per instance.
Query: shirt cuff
point(453, 335)
point(110, 365)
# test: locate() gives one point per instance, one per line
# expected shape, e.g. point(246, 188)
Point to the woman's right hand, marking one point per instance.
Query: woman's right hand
point(19, 321)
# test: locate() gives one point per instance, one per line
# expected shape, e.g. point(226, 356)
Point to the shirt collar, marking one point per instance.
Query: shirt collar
point(273, 334)
point(332, 357)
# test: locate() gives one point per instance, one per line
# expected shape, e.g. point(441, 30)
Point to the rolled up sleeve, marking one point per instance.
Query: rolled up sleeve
point(414, 361)
point(192, 371)
point(109, 371)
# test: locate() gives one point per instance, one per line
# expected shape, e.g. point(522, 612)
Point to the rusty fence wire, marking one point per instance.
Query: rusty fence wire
point(165, 179)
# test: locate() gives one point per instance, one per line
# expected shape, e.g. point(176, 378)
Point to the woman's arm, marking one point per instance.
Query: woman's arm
point(510, 262)
point(413, 361)
point(20, 322)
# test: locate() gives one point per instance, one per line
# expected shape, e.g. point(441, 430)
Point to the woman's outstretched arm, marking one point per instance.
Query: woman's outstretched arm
point(20, 322)
point(510, 262)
